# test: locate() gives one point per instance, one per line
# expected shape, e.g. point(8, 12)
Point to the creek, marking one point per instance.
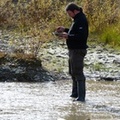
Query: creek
point(51, 101)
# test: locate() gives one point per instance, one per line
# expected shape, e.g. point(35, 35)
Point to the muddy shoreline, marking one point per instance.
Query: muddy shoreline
point(51, 63)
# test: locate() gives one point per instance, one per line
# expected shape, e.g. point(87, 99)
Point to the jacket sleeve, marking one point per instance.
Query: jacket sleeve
point(66, 30)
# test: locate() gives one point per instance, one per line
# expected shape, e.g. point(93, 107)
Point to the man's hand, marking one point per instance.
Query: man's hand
point(60, 32)
point(60, 29)
point(64, 35)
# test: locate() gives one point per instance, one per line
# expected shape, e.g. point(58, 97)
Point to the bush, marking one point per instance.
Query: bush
point(111, 35)
point(39, 18)
point(101, 13)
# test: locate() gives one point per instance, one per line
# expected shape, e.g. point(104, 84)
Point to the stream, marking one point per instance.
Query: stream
point(51, 101)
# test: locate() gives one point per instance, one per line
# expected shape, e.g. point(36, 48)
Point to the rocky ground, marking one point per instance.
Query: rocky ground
point(101, 63)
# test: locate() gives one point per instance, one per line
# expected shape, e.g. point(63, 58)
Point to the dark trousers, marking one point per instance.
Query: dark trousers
point(76, 65)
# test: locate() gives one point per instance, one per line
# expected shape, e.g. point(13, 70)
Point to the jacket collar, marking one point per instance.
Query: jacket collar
point(77, 15)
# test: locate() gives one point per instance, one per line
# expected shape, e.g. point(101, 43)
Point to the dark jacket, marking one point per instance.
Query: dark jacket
point(78, 32)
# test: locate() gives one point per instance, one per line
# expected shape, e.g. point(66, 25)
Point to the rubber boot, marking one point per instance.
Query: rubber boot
point(81, 89)
point(74, 89)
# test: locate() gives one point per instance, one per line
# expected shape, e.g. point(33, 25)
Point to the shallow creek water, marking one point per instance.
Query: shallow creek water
point(51, 101)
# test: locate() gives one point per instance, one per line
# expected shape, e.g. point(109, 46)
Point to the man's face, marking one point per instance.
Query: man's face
point(71, 13)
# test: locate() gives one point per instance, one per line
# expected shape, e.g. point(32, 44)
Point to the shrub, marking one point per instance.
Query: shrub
point(38, 18)
point(111, 35)
point(101, 13)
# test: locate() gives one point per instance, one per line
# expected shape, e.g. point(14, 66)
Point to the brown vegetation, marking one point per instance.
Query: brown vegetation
point(41, 17)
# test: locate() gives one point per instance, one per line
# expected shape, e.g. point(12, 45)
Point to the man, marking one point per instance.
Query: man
point(76, 40)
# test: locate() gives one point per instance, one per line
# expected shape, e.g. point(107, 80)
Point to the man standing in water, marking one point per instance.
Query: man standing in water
point(76, 40)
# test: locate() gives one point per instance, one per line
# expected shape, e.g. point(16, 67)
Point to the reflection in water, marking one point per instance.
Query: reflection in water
point(76, 112)
point(51, 101)
point(77, 117)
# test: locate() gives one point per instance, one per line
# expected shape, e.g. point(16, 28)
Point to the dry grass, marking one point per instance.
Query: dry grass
point(39, 18)
point(101, 13)
point(2, 55)
point(21, 56)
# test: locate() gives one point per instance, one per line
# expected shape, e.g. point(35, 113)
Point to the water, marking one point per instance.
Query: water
point(51, 101)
